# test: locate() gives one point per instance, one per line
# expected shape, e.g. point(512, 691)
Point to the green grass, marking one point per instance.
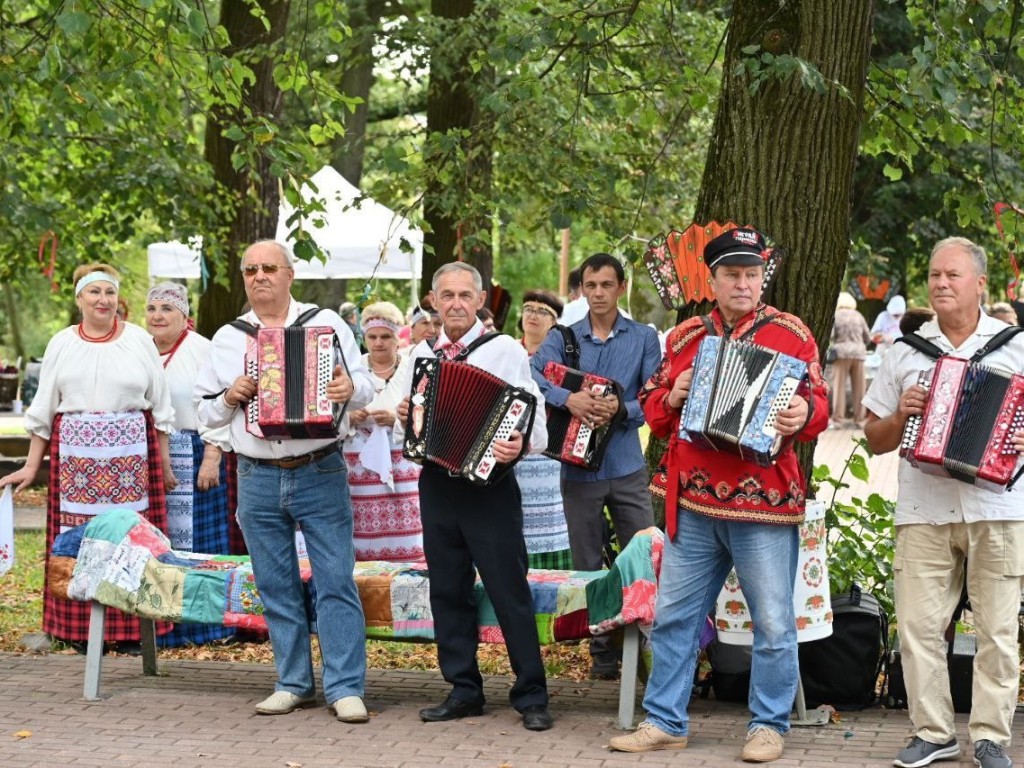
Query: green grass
point(21, 590)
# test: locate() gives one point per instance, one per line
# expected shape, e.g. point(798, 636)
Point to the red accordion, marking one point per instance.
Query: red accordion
point(570, 441)
point(457, 411)
point(292, 367)
point(967, 427)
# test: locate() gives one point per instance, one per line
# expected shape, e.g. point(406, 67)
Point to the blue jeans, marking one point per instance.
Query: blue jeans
point(694, 568)
point(271, 501)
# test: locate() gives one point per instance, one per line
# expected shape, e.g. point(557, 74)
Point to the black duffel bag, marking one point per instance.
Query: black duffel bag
point(843, 670)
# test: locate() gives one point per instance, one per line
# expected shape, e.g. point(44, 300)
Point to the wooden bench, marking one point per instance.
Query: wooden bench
point(126, 563)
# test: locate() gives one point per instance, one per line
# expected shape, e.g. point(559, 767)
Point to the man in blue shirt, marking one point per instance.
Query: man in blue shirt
point(613, 346)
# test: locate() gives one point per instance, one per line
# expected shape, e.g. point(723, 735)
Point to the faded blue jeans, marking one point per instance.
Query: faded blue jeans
point(271, 501)
point(693, 570)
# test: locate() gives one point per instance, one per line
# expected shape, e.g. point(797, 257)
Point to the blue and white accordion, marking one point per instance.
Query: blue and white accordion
point(737, 391)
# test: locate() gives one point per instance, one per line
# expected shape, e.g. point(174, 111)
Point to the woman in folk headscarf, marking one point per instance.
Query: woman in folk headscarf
point(198, 518)
point(383, 483)
point(103, 412)
point(539, 478)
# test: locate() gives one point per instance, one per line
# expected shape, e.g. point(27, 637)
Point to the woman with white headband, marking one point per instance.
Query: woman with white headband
point(383, 483)
point(198, 517)
point(102, 413)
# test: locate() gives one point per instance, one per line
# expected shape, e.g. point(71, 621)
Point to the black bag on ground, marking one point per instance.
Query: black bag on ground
point(842, 670)
point(730, 671)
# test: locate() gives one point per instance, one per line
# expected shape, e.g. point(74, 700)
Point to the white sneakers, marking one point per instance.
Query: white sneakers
point(349, 709)
point(283, 702)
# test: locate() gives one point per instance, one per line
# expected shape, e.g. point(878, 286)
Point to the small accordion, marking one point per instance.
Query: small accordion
point(292, 367)
point(967, 427)
point(457, 411)
point(570, 441)
point(737, 391)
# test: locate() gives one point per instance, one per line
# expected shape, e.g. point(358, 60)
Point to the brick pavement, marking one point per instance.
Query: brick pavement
point(200, 714)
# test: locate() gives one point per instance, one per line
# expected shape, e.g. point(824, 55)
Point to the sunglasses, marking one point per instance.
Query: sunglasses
point(250, 270)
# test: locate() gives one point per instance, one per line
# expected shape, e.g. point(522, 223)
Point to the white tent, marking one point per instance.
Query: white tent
point(355, 237)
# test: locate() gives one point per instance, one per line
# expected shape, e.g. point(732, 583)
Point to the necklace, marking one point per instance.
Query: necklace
point(169, 354)
point(388, 369)
point(97, 339)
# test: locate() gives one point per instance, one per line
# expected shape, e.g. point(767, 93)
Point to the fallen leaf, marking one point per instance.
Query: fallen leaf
point(290, 764)
point(22, 734)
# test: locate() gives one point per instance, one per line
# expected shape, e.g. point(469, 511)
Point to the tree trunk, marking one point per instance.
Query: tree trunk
point(252, 194)
point(357, 79)
point(782, 158)
point(452, 107)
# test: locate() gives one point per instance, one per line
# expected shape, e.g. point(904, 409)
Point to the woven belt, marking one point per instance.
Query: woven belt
point(291, 462)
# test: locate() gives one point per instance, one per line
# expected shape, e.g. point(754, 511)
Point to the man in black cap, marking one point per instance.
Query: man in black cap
point(723, 511)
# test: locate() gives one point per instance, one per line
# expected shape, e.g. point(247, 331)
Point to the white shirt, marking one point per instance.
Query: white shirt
point(181, 373)
point(226, 362)
point(927, 498)
point(119, 375)
point(502, 356)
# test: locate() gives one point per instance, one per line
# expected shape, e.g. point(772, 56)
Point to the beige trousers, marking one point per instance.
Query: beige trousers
point(929, 568)
point(853, 370)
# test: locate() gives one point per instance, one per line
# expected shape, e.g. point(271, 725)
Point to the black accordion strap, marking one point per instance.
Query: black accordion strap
point(709, 325)
point(921, 344)
point(250, 329)
point(996, 342)
point(478, 342)
point(571, 347)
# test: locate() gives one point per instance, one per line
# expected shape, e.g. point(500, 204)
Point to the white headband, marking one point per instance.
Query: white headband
point(380, 322)
point(94, 277)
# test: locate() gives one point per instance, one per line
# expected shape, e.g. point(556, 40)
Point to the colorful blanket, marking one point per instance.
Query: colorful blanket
point(120, 560)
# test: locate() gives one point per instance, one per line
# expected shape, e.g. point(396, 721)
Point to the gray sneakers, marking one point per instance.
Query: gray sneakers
point(988, 754)
point(919, 753)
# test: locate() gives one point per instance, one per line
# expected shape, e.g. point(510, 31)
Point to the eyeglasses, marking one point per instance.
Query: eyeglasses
point(539, 311)
point(250, 270)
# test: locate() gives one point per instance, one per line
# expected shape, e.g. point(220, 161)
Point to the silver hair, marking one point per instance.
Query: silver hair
point(284, 249)
point(457, 266)
point(972, 249)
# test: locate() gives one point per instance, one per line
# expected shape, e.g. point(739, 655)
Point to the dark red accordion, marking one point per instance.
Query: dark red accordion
point(457, 411)
point(967, 427)
point(292, 367)
point(570, 441)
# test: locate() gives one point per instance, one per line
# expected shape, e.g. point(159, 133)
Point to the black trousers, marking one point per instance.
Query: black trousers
point(463, 525)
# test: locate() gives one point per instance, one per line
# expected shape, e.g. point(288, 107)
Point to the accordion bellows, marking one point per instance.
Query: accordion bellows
point(457, 411)
point(292, 367)
point(967, 427)
point(570, 441)
point(738, 389)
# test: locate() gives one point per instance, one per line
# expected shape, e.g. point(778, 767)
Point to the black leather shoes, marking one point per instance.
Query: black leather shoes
point(537, 718)
point(451, 709)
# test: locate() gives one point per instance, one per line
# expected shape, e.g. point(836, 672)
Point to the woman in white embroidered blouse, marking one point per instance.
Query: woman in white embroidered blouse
point(103, 413)
point(198, 518)
point(383, 483)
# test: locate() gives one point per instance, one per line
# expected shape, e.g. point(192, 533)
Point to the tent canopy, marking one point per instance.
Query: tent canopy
point(355, 237)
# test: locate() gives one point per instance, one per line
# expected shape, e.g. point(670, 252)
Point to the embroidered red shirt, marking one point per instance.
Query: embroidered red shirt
point(723, 485)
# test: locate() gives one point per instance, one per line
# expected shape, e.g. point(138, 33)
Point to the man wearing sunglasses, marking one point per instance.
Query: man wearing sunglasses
point(284, 483)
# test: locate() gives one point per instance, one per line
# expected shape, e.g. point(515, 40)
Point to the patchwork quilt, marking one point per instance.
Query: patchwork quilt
point(119, 559)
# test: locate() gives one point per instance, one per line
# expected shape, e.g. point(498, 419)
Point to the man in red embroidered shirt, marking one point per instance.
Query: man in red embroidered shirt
point(723, 511)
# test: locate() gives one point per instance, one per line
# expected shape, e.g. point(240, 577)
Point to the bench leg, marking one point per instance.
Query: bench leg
point(627, 680)
point(94, 652)
point(147, 638)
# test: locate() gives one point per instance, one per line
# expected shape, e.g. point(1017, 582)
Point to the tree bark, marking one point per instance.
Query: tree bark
point(364, 17)
point(455, 229)
point(782, 158)
point(252, 195)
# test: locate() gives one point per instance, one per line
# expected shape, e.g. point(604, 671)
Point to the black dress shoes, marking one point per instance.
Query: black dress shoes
point(537, 718)
point(451, 709)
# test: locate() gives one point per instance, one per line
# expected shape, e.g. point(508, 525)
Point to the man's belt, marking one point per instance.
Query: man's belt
point(291, 462)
